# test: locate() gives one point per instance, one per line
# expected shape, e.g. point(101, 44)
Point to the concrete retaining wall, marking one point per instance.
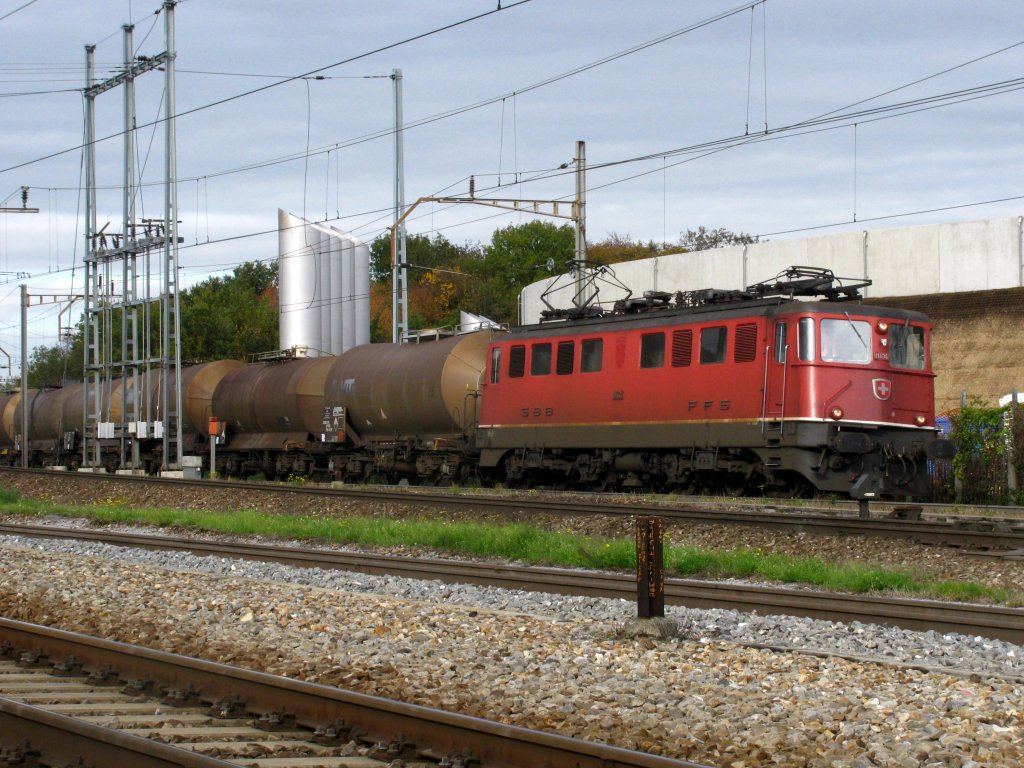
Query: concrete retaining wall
point(910, 261)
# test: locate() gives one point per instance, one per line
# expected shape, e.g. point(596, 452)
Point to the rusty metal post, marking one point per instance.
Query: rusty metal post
point(1013, 414)
point(650, 568)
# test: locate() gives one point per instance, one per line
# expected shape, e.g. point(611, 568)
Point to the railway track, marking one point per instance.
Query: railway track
point(997, 537)
point(66, 697)
point(987, 621)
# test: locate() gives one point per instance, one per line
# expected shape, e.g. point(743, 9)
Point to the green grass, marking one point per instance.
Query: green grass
point(527, 544)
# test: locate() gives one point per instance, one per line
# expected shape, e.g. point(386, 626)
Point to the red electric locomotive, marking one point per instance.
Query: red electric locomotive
point(722, 391)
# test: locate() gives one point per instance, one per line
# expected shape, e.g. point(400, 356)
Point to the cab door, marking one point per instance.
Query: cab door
point(776, 370)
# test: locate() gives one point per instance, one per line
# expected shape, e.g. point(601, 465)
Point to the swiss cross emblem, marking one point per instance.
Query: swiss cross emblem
point(882, 388)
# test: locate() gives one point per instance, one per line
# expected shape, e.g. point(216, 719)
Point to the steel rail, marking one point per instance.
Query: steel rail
point(63, 740)
point(929, 532)
point(434, 732)
point(997, 622)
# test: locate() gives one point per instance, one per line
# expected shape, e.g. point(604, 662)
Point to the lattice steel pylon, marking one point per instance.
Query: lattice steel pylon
point(125, 401)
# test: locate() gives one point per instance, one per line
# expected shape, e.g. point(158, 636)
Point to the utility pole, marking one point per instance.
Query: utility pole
point(399, 270)
point(24, 375)
point(581, 220)
point(171, 352)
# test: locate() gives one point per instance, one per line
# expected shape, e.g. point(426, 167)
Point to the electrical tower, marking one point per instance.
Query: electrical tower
point(148, 406)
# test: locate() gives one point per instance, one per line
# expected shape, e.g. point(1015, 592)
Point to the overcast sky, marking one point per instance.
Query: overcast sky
point(772, 65)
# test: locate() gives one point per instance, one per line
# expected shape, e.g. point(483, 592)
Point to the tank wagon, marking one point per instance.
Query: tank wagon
point(378, 411)
point(754, 391)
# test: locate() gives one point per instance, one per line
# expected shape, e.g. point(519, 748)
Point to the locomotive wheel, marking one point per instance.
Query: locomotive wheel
point(734, 485)
point(506, 476)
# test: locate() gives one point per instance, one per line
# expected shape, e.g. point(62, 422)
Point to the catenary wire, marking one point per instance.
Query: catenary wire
point(262, 88)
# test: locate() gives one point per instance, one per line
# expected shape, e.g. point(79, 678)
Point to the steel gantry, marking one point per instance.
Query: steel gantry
point(150, 392)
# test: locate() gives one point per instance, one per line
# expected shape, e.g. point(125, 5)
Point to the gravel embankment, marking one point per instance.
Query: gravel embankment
point(568, 665)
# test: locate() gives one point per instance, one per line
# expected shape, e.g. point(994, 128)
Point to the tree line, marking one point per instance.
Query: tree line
point(236, 316)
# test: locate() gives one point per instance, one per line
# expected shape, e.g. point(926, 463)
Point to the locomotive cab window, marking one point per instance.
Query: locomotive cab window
point(712, 345)
point(540, 360)
point(652, 350)
point(591, 351)
point(906, 346)
point(807, 336)
point(517, 361)
point(495, 364)
point(780, 342)
point(845, 341)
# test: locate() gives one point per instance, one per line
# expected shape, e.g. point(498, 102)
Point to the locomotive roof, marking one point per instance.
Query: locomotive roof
point(726, 311)
point(788, 292)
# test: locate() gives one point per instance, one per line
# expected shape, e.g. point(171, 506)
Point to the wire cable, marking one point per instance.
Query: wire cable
point(19, 8)
point(228, 99)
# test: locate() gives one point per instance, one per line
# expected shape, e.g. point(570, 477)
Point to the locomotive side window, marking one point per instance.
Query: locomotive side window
point(495, 364)
point(745, 348)
point(591, 351)
point(540, 360)
point(682, 348)
point(845, 341)
point(517, 361)
point(712, 344)
point(780, 342)
point(652, 350)
point(906, 347)
point(807, 338)
point(563, 365)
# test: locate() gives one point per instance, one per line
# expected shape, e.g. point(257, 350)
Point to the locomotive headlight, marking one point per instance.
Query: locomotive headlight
point(920, 420)
point(882, 326)
point(836, 413)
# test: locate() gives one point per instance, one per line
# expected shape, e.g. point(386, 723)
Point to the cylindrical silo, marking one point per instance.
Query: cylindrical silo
point(299, 319)
point(323, 238)
point(347, 295)
point(338, 302)
point(361, 257)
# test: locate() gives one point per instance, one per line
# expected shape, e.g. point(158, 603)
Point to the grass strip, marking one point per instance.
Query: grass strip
point(528, 544)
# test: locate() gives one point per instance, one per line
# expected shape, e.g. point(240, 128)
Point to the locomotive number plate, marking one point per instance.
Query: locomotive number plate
point(536, 413)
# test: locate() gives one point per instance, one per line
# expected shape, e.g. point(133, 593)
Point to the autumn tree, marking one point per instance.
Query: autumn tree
point(231, 317)
point(704, 239)
point(518, 255)
point(57, 365)
point(617, 248)
point(437, 271)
